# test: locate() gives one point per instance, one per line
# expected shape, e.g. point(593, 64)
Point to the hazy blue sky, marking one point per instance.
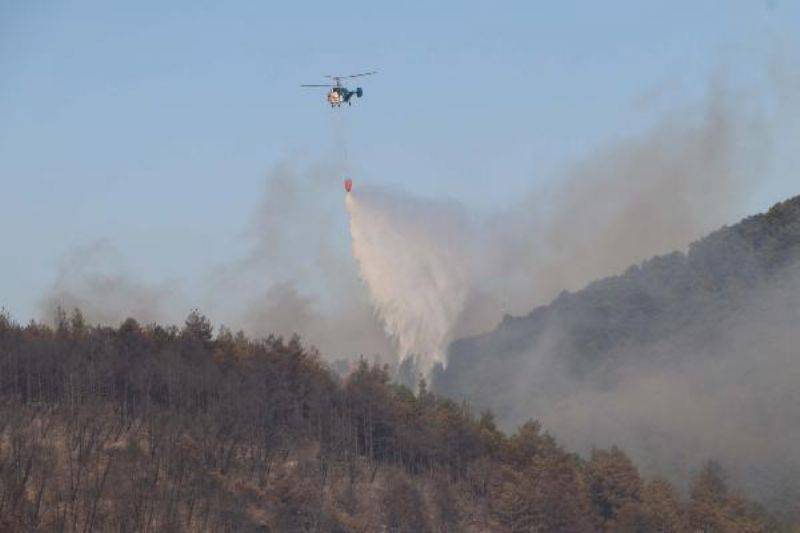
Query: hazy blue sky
point(153, 125)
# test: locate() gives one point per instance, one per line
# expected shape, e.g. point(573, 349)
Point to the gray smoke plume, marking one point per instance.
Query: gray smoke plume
point(636, 198)
point(94, 279)
point(298, 275)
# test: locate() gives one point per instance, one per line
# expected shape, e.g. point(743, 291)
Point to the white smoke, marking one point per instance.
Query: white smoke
point(413, 256)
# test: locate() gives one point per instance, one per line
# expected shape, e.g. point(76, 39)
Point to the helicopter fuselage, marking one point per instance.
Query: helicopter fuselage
point(339, 95)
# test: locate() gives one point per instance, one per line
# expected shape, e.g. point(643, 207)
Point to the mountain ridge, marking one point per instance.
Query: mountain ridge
point(651, 301)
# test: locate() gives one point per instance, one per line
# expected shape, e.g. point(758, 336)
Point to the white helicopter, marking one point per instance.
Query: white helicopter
point(339, 93)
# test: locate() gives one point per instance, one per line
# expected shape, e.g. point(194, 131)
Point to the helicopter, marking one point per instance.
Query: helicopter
point(339, 93)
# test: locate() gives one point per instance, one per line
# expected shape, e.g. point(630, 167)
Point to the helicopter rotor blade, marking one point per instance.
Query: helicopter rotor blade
point(316, 85)
point(362, 74)
point(351, 75)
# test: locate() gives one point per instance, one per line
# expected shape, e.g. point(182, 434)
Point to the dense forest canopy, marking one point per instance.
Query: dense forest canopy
point(151, 428)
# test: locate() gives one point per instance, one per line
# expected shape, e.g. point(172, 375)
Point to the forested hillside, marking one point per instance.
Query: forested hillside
point(695, 349)
point(673, 294)
point(150, 428)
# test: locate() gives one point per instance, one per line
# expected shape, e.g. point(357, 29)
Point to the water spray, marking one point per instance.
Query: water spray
point(412, 256)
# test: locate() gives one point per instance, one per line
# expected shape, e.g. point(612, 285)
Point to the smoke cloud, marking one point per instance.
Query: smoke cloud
point(651, 194)
point(298, 275)
point(94, 279)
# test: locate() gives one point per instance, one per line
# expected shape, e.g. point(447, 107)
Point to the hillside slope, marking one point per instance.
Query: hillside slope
point(147, 428)
point(694, 348)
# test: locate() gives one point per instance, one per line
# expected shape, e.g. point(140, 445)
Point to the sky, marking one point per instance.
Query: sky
point(153, 126)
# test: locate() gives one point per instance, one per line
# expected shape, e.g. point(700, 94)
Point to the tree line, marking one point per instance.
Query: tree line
point(153, 428)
